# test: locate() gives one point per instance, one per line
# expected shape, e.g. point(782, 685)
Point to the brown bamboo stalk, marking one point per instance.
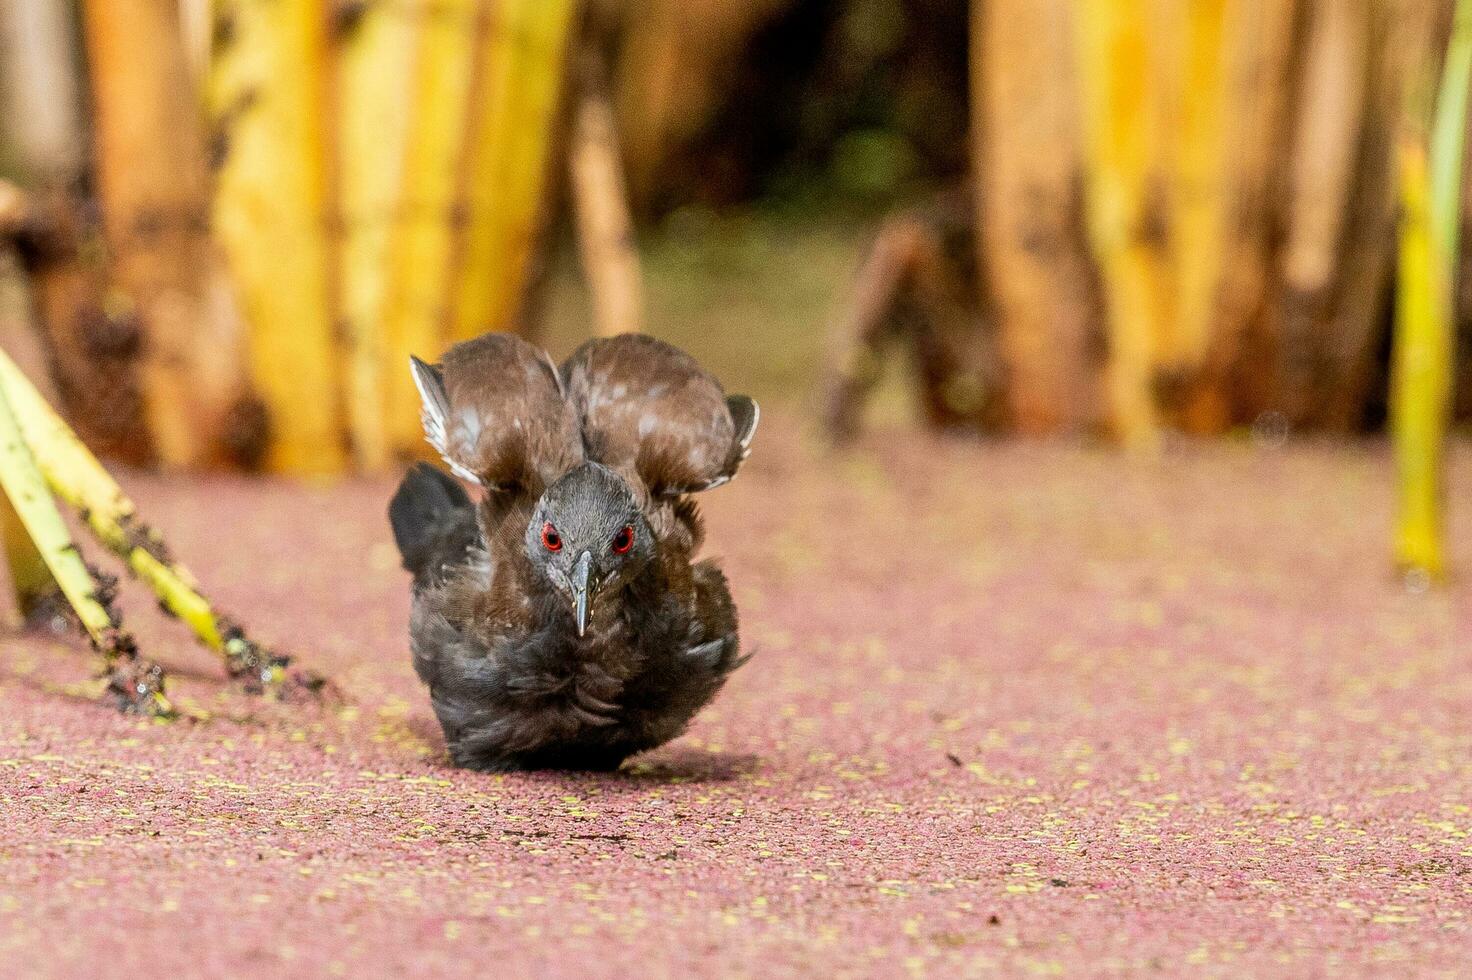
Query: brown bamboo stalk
point(1330, 113)
point(677, 61)
point(1400, 39)
point(150, 165)
point(92, 346)
point(606, 244)
point(1027, 160)
point(1227, 389)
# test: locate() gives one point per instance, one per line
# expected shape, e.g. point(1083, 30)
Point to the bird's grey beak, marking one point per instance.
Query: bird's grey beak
point(584, 590)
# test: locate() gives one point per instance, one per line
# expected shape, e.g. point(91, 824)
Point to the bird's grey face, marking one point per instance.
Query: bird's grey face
point(589, 538)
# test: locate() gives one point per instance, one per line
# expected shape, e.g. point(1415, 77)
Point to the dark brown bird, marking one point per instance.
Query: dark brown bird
point(565, 627)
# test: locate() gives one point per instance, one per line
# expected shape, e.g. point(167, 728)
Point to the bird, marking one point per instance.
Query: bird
point(562, 621)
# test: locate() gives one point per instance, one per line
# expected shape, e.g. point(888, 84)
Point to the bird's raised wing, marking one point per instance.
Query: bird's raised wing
point(647, 409)
point(493, 408)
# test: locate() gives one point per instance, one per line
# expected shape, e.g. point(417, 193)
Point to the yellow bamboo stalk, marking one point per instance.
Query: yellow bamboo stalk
point(267, 96)
point(1420, 387)
point(512, 135)
point(423, 242)
point(375, 53)
point(1115, 71)
point(1200, 196)
point(139, 685)
point(1431, 170)
point(76, 476)
point(1025, 148)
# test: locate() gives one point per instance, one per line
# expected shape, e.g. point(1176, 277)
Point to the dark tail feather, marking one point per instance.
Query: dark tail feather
point(433, 521)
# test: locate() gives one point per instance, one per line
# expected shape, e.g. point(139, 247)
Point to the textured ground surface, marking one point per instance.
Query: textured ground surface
point(1032, 708)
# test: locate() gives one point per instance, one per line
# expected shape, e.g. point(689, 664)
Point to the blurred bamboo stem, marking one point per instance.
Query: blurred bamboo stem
point(1259, 51)
point(41, 116)
point(1423, 354)
point(1199, 192)
point(1398, 43)
point(155, 204)
point(422, 244)
point(138, 684)
point(375, 53)
point(75, 475)
point(43, 139)
point(267, 95)
point(1329, 131)
point(606, 242)
point(1026, 156)
point(1115, 74)
point(514, 105)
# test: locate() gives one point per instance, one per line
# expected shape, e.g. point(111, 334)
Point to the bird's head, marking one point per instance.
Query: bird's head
point(589, 537)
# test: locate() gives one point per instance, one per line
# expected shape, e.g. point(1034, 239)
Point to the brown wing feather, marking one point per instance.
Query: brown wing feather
point(648, 409)
point(494, 409)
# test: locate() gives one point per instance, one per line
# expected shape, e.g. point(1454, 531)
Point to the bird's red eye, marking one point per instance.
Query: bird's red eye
point(623, 541)
point(551, 540)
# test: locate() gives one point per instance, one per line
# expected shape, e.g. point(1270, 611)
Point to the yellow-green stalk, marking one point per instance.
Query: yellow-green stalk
point(138, 684)
point(30, 579)
point(76, 476)
point(1421, 387)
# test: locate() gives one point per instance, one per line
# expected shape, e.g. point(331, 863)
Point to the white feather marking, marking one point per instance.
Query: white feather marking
point(756, 419)
point(432, 415)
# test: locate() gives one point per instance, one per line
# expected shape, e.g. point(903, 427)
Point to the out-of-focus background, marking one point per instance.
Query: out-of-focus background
point(1022, 216)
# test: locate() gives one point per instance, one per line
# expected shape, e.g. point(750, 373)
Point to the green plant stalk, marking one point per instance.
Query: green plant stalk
point(139, 684)
point(1430, 190)
point(76, 476)
point(30, 579)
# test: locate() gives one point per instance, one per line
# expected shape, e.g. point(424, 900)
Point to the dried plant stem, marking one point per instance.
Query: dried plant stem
point(1026, 156)
point(138, 684)
point(606, 243)
point(30, 580)
point(150, 164)
point(76, 476)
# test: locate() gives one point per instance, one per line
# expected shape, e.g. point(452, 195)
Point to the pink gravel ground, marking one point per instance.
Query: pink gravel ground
point(1032, 708)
